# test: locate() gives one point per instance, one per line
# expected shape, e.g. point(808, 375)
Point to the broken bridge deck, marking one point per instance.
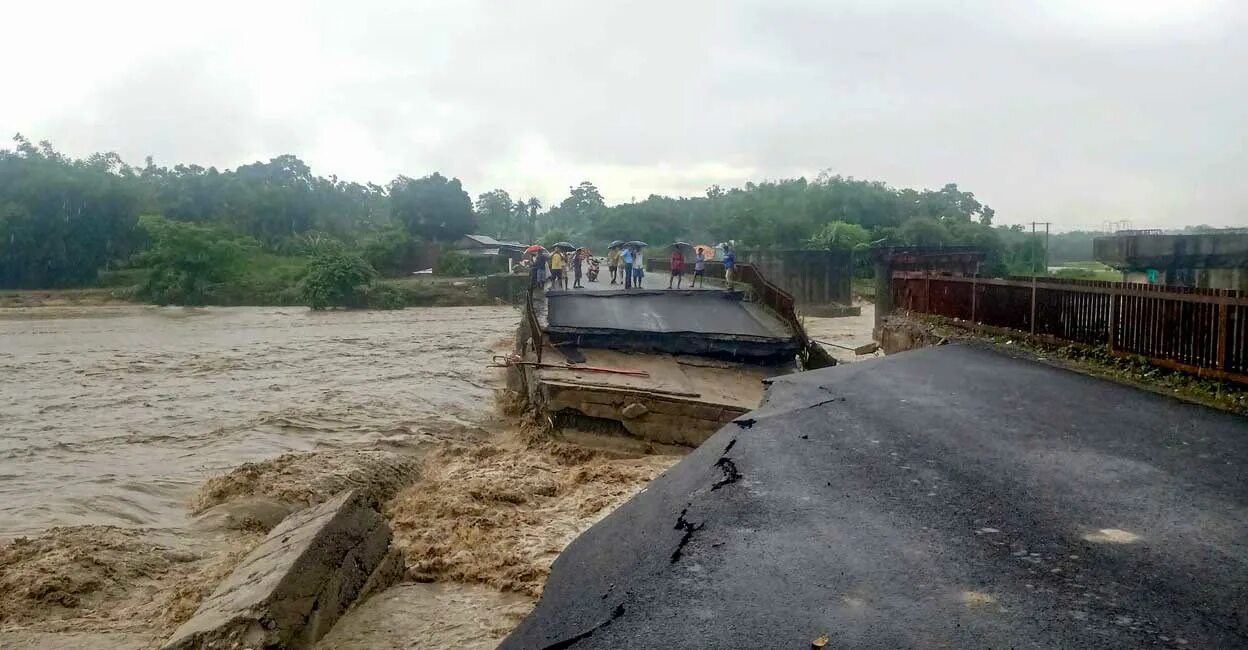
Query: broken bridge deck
point(682, 399)
point(704, 355)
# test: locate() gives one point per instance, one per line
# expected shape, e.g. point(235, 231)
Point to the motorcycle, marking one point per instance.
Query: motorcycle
point(592, 272)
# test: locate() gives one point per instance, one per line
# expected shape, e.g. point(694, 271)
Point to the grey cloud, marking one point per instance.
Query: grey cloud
point(1040, 117)
point(178, 109)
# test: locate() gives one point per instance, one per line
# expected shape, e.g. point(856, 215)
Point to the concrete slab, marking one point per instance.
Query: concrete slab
point(949, 497)
point(664, 312)
point(291, 589)
point(682, 400)
point(717, 323)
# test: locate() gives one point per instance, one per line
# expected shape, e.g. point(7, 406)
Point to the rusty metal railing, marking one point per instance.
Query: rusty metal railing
point(1200, 331)
point(533, 324)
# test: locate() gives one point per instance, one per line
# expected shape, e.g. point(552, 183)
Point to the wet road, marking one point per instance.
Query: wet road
point(950, 497)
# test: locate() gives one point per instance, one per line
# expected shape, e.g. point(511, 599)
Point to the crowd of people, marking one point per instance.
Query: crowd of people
point(625, 265)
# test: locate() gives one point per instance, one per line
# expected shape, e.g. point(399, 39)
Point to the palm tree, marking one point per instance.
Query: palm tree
point(534, 205)
point(519, 220)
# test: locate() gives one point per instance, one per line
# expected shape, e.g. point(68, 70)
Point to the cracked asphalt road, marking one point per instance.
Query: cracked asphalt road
point(951, 497)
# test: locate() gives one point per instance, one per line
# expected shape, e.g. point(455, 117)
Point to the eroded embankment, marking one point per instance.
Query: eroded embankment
point(499, 513)
point(493, 514)
point(154, 448)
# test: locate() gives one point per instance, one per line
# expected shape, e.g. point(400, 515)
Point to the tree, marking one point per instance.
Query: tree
point(765, 215)
point(186, 261)
point(552, 237)
point(495, 215)
point(61, 220)
point(924, 231)
point(388, 250)
point(337, 278)
point(840, 235)
point(658, 219)
point(951, 203)
point(432, 208)
point(577, 213)
point(534, 206)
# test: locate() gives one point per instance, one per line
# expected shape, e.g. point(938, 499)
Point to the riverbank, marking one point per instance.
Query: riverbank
point(414, 291)
point(151, 448)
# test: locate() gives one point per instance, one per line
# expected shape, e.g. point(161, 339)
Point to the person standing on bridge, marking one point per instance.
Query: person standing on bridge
point(627, 257)
point(577, 259)
point(699, 268)
point(557, 265)
point(540, 261)
point(730, 265)
point(613, 262)
point(639, 268)
point(678, 267)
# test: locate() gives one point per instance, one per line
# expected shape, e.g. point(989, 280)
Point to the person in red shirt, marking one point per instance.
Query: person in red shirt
point(678, 267)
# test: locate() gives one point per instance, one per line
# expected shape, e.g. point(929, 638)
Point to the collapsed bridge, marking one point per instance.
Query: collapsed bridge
point(671, 366)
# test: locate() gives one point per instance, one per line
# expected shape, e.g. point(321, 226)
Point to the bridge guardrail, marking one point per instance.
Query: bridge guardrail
point(767, 293)
point(1200, 331)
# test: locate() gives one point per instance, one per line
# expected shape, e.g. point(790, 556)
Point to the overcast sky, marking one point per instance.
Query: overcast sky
point(1073, 111)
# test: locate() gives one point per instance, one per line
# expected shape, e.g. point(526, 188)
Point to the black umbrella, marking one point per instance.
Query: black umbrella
point(639, 244)
point(682, 244)
point(564, 244)
point(616, 244)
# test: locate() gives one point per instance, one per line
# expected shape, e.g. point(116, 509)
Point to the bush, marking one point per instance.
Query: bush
point(839, 235)
point(554, 236)
point(337, 279)
point(187, 261)
point(1075, 274)
point(454, 263)
point(121, 278)
point(389, 250)
point(384, 296)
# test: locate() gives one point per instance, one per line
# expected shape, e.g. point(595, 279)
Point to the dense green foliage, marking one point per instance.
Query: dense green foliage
point(63, 220)
point(337, 278)
point(840, 235)
point(454, 263)
point(433, 207)
point(187, 261)
point(249, 234)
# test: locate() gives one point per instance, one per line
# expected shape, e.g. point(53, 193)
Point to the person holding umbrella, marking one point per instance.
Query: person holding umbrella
point(699, 266)
point(557, 264)
point(639, 265)
point(678, 264)
point(613, 258)
point(581, 255)
point(539, 264)
point(627, 257)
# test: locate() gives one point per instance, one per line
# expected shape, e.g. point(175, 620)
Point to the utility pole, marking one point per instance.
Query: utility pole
point(1046, 225)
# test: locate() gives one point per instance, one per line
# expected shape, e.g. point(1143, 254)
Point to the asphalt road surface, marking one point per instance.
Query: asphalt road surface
point(664, 311)
point(950, 497)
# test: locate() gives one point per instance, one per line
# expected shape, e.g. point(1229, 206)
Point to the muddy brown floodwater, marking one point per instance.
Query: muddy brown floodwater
point(144, 451)
point(115, 415)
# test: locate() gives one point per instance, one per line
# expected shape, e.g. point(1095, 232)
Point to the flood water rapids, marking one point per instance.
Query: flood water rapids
point(116, 415)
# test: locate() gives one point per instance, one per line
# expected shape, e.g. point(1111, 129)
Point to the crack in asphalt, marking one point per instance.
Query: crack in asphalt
point(689, 528)
point(573, 640)
point(731, 474)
